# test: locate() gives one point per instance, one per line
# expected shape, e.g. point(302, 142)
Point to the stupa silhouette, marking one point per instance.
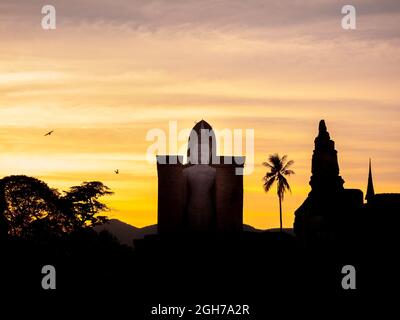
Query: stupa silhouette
point(329, 212)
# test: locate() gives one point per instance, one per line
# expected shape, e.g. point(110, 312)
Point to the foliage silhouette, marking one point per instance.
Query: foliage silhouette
point(30, 206)
point(279, 168)
point(30, 209)
point(83, 202)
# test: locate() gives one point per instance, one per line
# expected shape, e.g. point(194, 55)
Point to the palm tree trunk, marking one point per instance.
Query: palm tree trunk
point(280, 212)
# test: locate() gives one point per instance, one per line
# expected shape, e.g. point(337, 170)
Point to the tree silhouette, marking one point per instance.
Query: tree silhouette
point(30, 209)
point(279, 168)
point(83, 202)
point(28, 205)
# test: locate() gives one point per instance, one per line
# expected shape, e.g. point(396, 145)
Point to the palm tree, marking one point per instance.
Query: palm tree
point(279, 168)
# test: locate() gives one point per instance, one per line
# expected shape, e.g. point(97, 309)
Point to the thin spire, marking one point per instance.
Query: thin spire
point(370, 189)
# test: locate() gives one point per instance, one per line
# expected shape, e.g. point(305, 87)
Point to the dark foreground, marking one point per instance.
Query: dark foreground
point(269, 272)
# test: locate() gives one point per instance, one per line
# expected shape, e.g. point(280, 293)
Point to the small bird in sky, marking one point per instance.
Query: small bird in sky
point(49, 133)
point(116, 171)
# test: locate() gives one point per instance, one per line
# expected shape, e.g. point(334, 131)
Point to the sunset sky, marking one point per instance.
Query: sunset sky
point(113, 70)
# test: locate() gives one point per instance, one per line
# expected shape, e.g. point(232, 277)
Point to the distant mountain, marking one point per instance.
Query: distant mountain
point(249, 228)
point(126, 233)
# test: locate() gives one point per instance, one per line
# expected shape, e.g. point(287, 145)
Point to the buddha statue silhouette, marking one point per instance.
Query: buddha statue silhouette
point(199, 180)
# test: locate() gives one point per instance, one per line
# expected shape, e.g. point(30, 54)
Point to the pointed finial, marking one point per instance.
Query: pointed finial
point(370, 188)
point(322, 126)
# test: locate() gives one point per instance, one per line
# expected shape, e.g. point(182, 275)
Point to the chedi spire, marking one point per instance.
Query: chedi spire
point(325, 167)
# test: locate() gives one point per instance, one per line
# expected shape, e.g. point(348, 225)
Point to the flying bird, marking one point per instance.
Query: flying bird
point(116, 171)
point(49, 133)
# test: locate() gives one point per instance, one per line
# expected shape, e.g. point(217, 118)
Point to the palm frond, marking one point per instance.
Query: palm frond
point(287, 165)
point(268, 175)
point(283, 185)
point(275, 160)
point(271, 174)
point(268, 165)
point(268, 183)
point(288, 172)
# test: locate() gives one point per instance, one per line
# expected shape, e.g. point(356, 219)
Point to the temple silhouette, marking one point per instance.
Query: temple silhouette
point(205, 195)
point(328, 211)
point(201, 249)
point(382, 205)
point(332, 214)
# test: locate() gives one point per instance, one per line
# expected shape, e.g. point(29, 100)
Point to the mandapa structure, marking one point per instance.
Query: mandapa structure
point(205, 195)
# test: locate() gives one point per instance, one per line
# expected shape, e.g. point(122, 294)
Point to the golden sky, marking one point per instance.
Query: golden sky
point(113, 70)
